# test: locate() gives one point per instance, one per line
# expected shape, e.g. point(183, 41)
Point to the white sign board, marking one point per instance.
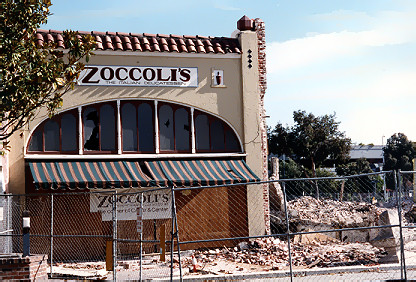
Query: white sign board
point(138, 76)
point(156, 205)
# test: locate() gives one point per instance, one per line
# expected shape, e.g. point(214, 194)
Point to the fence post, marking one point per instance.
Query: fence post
point(176, 232)
point(399, 210)
point(114, 214)
point(141, 234)
point(51, 241)
point(288, 231)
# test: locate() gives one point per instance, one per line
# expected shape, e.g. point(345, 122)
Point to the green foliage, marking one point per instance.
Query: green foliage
point(311, 141)
point(34, 76)
point(363, 184)
point(399, 153)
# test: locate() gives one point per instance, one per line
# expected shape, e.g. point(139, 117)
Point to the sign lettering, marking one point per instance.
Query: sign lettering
point(138, 76)
point(156, 205)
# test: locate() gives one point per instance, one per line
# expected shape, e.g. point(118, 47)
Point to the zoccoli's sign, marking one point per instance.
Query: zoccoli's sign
point(138, 76)
point(156, 205)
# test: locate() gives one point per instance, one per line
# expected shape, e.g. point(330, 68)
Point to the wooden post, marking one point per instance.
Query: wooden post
point(341, 193)
point(162, 242)
point(109, 256)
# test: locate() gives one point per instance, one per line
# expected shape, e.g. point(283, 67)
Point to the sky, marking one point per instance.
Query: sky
point(354, 58)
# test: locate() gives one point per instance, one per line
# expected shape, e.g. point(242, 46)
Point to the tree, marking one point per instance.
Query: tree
point(33, 75)
point(399, 153)
point(311, 141)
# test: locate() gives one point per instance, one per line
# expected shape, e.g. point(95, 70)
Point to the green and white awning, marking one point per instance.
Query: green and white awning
point(129, 174)
point(88, 174)
point(200, 172)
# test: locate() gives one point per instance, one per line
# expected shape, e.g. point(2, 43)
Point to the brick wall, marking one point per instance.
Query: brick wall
point(26, 268)
point(261, 41)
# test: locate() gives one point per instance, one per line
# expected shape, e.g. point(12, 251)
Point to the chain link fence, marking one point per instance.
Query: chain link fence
point(358, 227)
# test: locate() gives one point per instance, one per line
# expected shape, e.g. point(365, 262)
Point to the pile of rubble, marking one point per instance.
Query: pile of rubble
point(273, 254)
point(310, 211)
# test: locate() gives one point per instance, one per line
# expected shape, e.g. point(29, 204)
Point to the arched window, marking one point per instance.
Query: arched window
point(137, 127)
point(51, 132)
point(107, 128)
point(146, 128)
point(202, 132)
point(129, 127)
point(99, 127)
point(182, 130)
point(98, 130)
point(214, 135)
point(36, 142)
point(166, 132)
point(56, 135)
point(69, 133)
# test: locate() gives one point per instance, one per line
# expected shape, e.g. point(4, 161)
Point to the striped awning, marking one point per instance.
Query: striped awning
point(88, 174)
point(200, 172)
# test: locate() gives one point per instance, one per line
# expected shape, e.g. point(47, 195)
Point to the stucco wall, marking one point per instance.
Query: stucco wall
point(237, 103)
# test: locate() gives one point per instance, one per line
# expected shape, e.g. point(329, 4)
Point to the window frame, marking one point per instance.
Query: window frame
point(57, 118)
point(175, 107)
point(98, 106)
point(136, 104)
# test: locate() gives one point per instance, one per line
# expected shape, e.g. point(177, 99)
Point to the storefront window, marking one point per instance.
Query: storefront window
point(99, 130)
point(202, 133)
point(36, 142)
point(91, 129)
point(129, 127)
point(51, 136)
point(69, 133)
point(166, 128)
point(108, 128)
point(182, 129)
point(217, 136)
point(146, 128)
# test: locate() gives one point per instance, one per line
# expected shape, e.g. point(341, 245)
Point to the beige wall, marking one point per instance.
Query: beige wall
point(237, 103)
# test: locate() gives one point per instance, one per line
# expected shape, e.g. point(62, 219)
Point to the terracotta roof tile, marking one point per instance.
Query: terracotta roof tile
point(148, 42)
point(136, 44)
point(127, 43)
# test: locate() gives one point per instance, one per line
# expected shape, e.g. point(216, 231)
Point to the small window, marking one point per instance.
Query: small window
point(36, 142)
point(129, 127)
point(51, 132)
point(182, 130)
point(146, 128)
point(91, 129)
point(69, 133)
point(202, 132)
point(217, 136)
point(231, 141)
point(166, 134)
point(108, 128)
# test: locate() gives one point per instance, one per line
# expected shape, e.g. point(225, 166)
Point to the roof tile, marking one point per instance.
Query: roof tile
point(148, 42)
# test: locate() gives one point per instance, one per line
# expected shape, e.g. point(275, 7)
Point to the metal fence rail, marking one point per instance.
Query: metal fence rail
point(363, 225)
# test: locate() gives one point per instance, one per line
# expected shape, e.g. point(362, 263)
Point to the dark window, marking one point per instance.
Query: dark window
point(166, 135)
point(51, 131)
point(182, 130)
point(36, 142)
point(146, 128)
point(99, 130)
point(91, 129)
point(69, 133)
point(231, 141)
point(202, 132)
point(214, 135)
point(129, 127)
point(108, 128)
point(217, 136)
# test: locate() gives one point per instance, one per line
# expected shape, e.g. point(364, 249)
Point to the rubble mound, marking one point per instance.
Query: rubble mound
point(333, 213)
point(273, 254)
